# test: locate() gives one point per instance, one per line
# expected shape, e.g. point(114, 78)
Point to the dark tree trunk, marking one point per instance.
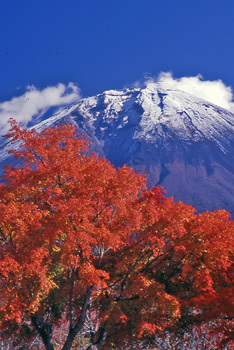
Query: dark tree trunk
point(96, 345)
point(80, 323)
point(44, 330)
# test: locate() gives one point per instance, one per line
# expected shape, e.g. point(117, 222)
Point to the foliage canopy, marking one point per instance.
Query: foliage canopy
point(86, 245)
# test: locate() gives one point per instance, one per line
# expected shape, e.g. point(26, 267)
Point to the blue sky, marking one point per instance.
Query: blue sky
point(99, 44)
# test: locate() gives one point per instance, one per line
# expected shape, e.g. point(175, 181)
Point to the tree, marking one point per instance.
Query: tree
point(86, 246)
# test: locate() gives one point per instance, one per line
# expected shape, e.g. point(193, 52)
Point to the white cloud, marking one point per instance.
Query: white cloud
point(213, 91)
point(35, 102)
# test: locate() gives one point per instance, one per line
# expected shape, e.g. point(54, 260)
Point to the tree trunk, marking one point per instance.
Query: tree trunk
point(100, 341)
point(44, 330)
point(80, 323)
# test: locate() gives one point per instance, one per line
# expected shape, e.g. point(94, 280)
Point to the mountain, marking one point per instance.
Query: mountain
point(181, 142)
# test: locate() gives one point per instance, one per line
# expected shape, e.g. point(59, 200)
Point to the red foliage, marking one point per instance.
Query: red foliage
point(78, 236)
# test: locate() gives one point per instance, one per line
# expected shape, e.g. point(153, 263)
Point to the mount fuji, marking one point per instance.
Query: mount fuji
point(181, 142)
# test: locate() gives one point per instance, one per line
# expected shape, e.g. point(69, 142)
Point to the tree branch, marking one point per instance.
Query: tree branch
point(80, 323)
point(100, 341)
point(71, 309)
point(43, 329)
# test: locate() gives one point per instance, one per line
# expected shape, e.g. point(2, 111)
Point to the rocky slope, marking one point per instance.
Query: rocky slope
point(181, 142)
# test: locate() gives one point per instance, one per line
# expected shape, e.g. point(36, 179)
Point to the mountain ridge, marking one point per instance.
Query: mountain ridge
point(182, 142)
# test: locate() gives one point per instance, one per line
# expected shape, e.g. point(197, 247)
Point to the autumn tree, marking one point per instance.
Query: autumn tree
point(87, 246)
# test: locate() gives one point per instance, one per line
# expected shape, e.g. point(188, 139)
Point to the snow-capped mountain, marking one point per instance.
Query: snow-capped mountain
point(181, 142)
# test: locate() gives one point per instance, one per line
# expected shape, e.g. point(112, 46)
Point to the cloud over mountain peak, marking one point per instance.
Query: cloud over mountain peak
point(214, 91)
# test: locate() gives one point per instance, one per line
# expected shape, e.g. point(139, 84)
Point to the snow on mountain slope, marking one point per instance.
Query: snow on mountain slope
point(181, 142)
